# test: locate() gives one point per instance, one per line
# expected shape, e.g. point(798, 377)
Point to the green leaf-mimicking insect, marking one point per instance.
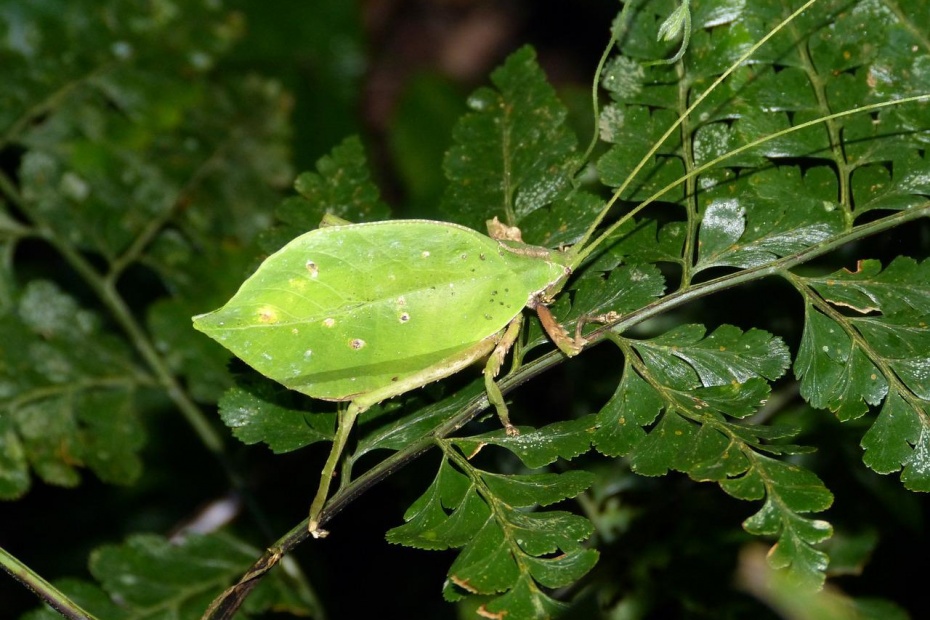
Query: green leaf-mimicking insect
point(365, 312)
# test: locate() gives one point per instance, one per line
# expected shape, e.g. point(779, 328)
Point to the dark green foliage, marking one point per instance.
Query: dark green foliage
point(141, 181)
point(153, 577)
point(505, 549)
point(513, 152)
point(129, 151)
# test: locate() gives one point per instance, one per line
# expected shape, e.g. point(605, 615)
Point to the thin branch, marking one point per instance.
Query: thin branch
point(43, 589)
point(157, 223)
point(106, 291)
point(52, 101)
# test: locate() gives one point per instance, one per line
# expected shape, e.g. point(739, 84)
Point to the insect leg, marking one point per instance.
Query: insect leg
point(568, 345)
point(493, 367)
point(345, 422)
point(607, 317)
point(361, 403)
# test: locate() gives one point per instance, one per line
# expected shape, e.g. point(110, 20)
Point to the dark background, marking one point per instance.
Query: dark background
point(398, 72)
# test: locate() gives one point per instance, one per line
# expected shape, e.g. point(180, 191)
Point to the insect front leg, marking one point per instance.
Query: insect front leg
point(607, 317)
point(493, 367)
point(568, 345)
point(345, 421)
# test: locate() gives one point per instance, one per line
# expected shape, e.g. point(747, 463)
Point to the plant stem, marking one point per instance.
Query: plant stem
point(579, 258)
point(46, 591)
point(584, 249)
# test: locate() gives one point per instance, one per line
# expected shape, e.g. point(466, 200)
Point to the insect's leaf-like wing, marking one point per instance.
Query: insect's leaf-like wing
point(345, 311)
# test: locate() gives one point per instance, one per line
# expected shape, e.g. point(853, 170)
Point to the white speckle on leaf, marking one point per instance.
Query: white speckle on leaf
point(329, 322)
point(356, 343)
point(727, 12)
point(623, 77)
point(425, 254)
point(610, 122)
point(726, 219)
point(404, 317)
point(313, 269)
point(308, 353)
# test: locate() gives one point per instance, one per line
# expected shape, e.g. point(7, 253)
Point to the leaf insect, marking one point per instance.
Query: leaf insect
point(360, 313)
point(365, 312)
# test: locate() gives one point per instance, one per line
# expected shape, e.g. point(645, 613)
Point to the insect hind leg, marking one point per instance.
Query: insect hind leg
point(493, 367)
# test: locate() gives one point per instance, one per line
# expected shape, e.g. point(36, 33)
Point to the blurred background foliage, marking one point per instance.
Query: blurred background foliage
point(290, 80)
